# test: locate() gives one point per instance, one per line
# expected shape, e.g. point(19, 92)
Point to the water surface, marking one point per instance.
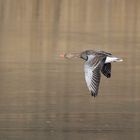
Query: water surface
point(45, 97)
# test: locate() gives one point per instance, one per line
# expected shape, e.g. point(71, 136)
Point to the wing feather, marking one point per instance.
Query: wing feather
point(92, 74)
point(106, 70)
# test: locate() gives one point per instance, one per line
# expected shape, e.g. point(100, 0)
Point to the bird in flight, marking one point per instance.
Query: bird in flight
point(96, 62)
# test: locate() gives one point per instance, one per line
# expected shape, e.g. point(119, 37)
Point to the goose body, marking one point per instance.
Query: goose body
point(96, 62)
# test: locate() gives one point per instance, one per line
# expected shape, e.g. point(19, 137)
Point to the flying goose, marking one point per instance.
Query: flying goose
point(96, 62)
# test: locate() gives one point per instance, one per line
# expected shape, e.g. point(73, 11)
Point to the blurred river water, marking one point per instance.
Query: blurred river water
point(43, 96)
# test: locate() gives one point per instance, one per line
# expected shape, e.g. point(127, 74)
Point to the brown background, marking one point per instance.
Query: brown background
point(43, 97)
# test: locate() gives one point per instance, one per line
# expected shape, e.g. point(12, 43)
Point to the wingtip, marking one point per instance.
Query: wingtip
point(93, 94)
point(108, 75)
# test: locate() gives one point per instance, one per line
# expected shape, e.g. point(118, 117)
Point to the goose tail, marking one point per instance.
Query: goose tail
point(110, 59)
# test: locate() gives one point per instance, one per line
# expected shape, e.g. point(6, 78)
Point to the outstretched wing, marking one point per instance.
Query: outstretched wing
point(106, 70)
point(92, 74)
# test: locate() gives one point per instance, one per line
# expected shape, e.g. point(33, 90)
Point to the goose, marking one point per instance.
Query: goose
point(96, 62)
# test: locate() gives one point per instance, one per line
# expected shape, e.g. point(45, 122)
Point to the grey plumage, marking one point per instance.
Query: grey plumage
point(92, 68)
point(96, 62)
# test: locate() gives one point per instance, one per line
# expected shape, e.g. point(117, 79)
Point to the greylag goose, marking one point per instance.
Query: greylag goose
point(96, 62)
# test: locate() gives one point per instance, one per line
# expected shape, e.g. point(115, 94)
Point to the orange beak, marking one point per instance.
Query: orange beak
point(69, 55)
point(62, 55)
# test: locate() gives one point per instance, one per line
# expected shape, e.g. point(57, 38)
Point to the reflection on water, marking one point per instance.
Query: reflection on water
point(45, 97)
point(48, 100)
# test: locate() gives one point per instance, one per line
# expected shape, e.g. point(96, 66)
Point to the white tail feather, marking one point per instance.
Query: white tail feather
point(110, 59)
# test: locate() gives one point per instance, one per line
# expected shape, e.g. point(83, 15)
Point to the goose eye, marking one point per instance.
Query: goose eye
point(86, 58)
